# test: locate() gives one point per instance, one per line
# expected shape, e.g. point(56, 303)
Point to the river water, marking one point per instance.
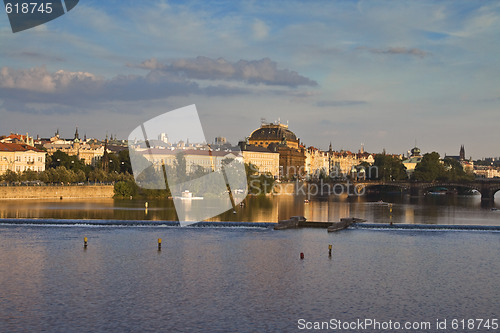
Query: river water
point(439, 209)
point(247, 279)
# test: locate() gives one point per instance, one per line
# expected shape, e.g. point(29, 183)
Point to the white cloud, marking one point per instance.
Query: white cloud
point(260, 29)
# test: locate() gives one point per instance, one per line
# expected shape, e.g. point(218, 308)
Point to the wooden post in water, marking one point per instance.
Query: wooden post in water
point(330, 250)
point(159, 244)
point(84, 242)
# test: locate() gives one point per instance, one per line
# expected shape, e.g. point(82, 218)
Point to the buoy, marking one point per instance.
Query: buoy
point(234, 212)
point(146, 204)
point(301, 255)
point(330, 250)
point(85, 242)
point(159, 244)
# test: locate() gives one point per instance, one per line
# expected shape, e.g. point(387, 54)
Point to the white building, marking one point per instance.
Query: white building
point(21, 157)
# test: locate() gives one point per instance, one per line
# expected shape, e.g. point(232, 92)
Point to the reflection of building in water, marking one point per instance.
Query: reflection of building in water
point(409, 215)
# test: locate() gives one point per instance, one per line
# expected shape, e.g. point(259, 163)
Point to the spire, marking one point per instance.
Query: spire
point(330, 147)
point(462, 153)
point(105, 157)
point(76, 133)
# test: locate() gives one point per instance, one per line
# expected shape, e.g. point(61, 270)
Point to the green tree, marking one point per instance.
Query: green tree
point(455, 171)
point(180, 168)
point(60, 158)
point(124, 160)
point(10, 176)
point(125, 189)
point(388, 168)
point(430, 168)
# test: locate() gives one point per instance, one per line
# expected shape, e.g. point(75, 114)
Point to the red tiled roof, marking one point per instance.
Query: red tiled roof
point(17, 147)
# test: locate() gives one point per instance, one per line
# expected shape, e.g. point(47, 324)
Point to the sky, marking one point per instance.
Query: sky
point(387, 74)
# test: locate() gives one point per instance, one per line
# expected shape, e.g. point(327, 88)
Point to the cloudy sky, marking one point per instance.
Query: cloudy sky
point(382, 73)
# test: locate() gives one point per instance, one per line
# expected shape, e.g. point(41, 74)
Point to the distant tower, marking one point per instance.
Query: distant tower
point(462, 153)
point(330, 152)
point(77, 136)
point(105, 156)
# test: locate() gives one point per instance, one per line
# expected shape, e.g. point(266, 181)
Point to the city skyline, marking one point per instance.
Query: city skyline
point(348, 72)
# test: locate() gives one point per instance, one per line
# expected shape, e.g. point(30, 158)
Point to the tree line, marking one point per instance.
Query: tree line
point(431, 168)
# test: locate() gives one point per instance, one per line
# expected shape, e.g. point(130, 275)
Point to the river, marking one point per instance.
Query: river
point(248, 279)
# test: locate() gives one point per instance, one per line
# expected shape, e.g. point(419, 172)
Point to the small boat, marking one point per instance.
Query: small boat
point(187, 195)
point(306, 201)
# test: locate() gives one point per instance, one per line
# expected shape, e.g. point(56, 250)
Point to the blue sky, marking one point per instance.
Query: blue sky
point(382, 73)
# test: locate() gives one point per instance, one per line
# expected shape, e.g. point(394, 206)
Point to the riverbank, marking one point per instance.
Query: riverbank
point(56, 192)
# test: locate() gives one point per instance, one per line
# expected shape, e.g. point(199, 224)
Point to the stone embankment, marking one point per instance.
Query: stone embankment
point(56, 192)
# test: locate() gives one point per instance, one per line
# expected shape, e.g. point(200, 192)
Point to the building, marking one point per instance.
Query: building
point(18, 138)
point(467, 165)
point(266, 161)
point(411, 162)
point(486, 171)
point(276, 133)
point(209, 160)
point(87, 151)
point(316, 162)
point(21, 157)
point(277, 138)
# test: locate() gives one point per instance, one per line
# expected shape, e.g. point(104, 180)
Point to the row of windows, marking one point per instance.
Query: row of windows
point(20, 168)
point(28, 158)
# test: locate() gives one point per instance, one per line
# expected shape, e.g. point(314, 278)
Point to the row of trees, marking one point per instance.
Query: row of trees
point(431, 168)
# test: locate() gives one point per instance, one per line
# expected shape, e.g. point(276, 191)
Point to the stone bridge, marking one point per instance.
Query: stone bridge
point(486, 187)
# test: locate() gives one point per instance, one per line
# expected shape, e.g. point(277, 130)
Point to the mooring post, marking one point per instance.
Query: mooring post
point(84, 242)
point(330, 250)
point(159, 244)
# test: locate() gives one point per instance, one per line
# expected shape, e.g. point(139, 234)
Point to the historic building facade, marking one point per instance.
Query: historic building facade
point(21, 157)
point(90, 154)
point(277, 138)
point(266, 161)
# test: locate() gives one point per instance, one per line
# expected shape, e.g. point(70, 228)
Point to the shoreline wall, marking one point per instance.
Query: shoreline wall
point(56, 192)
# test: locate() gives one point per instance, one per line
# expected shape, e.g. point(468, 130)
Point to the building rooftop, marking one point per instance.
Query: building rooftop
point(12, 147)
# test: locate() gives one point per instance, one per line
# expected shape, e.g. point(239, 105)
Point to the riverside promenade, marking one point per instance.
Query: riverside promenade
point(57, 192)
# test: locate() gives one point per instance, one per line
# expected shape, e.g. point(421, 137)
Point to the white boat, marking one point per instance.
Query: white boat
point(187, 195)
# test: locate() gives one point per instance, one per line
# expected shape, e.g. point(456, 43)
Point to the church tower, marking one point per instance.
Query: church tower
point(462, 153)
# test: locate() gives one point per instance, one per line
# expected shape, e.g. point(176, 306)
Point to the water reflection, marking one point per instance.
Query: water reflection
point(377, 209)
